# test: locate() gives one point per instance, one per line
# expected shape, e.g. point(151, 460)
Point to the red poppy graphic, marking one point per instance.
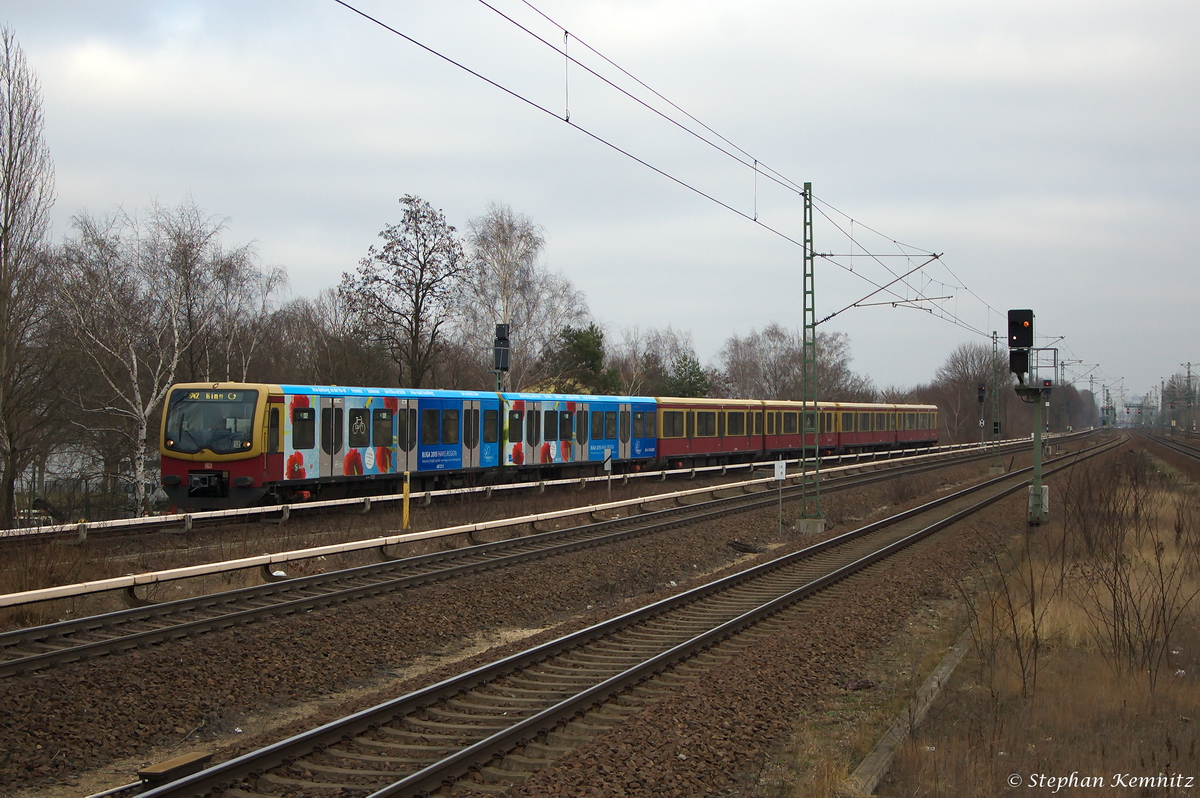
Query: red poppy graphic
point(547, 457)
point(295, 466)
point(565, 448)
point(383, 459)
point(518, 454)
point(299, 400)
point(352, 466)
point(392, 403)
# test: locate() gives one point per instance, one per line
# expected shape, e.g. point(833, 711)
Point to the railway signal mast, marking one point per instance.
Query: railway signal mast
point(1020, 343)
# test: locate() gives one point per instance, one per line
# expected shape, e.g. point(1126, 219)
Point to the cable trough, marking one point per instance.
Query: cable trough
point(35, 648)
point(495, 724)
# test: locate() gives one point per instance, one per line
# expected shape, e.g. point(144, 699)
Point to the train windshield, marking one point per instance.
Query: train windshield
point(220, 421)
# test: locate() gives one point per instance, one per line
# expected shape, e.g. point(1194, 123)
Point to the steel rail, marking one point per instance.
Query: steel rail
point(188, 520)
point(524, 729)
point(382, 578)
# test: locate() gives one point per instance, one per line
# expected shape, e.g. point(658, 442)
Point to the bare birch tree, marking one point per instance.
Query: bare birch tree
point(508, 284)
point(26, 196)
point(769, 365)
point(138, 298)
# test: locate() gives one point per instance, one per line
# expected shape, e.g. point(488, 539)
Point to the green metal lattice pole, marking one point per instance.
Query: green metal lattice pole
point(997, 460)
point(811, 486)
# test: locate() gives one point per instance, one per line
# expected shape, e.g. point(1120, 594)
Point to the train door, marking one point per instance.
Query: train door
point(406, 435)
point(625, 421)
point(533, 433)
point(470, 433)
point(332, 435)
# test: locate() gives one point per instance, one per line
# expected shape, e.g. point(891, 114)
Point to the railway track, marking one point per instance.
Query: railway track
point(359, 504)
point(496, 724)
point(35, 648)
point(1186, 449)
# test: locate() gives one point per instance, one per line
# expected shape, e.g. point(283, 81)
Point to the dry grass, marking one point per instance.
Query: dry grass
point(1086, 652)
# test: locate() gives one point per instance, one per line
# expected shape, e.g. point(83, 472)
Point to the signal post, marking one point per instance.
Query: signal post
point(1020, 343)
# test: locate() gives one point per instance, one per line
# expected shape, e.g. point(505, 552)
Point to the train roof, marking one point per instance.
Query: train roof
point(574, 397)
point(407, 393)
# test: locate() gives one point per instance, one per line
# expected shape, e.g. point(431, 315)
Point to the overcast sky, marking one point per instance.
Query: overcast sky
point(1049, 152)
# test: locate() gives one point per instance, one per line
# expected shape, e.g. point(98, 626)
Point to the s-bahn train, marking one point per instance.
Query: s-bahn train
point(227, 445)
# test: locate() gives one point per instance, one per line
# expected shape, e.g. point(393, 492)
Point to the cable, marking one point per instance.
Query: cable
point(752, 163)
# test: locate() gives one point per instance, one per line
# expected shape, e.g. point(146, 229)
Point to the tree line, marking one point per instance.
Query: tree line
point(94, 328)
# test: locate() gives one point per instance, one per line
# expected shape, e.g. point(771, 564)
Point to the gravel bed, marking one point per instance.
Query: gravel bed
point(114, 713)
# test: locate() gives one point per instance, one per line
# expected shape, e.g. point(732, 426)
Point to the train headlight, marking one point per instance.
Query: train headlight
point(246, 445)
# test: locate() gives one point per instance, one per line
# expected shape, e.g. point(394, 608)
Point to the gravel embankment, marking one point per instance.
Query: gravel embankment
point(149, 705)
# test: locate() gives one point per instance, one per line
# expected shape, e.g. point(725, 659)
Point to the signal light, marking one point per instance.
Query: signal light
point(1020, 329)
point(500, 350)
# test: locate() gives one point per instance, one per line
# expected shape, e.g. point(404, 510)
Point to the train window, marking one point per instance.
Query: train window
point(933, 421)
point(810, 421)
point(402, 430)
point(491, 426)
point(449, 426)
point(864, 422)
point(381, 427)
point(770, 423)
point(360, 431)
point(651, 425)
point(639, 424)
point(409, 439)
point(779, 423)
point(431, 422)
point(514, 426)
point(910, 421)
point(304, 428)
point(273, 431)
point(848, 422)
point(691, 424)
point(550, 426)
point(625, 414)
point(720, 425)
point(610, 425)
point(672, 426)
point(581, 426)
point(758, 423)
point(880, 422)
point(706, 424)
point(331, 429)
point(532, 417)
point(597, 425)
point(564, 424)
point(736, 424)
point(923, 420)
point(790, 424)
point(470, 427)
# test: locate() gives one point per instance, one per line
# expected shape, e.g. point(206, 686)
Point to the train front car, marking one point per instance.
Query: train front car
point(214, 442)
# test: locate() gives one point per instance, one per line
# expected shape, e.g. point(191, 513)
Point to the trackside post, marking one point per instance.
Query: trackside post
point(406, 487)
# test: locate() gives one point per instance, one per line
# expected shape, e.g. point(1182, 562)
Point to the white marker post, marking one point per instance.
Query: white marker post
point(608, 468)
point(780, 476)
